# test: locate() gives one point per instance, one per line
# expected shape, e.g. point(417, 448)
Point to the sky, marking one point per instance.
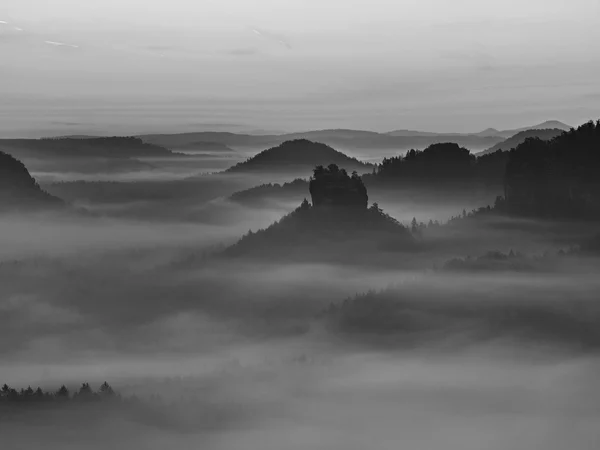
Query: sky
point(133, 66)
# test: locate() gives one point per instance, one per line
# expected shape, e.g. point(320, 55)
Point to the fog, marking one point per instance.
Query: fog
point(242, 352)
point(170, 291)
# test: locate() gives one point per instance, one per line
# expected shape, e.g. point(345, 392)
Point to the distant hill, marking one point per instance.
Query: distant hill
point(298, 155)
point(549, 124)
point(411, 133)
point(520, 137)
point(110, 147)
point(487, 133)
point(258, 195)
point(203, 146)
point(19, 190)
point(442, 168)
point(344, 139)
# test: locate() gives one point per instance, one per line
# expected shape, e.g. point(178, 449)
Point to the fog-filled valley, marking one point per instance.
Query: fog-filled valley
point(229, 291)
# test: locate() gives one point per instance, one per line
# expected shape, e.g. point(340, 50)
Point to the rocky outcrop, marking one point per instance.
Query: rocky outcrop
point(332, 186)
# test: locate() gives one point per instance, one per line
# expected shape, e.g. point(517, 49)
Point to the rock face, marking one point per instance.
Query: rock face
point(332, 186)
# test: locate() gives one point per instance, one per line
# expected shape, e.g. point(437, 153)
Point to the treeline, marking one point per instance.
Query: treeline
point(10, 395)
point(333, 186)
point(556, 178)
point(270, 190)
point(432, 315)
point(438, 165)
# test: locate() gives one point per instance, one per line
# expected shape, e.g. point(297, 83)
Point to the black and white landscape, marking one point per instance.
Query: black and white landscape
point(275, 225)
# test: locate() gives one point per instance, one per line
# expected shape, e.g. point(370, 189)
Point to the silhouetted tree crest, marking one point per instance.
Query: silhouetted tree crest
point(437, 162)
point(85, 393)
point(298, 153)
point(18, 188)
point(337, 222)
point(332, 186)
point(556, 178)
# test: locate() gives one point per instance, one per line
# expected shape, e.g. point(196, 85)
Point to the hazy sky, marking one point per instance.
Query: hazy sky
point(128, 66)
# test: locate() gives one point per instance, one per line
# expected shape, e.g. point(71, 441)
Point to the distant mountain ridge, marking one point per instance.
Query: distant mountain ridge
point(108, 147)
point(520, 137)
point(204, 146)
point(356, 140)
point(549, 124)
point(347, 139)
point(489, 132)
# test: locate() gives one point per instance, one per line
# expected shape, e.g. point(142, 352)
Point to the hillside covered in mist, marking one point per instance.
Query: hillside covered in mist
point(298, 155)
point(339, 222)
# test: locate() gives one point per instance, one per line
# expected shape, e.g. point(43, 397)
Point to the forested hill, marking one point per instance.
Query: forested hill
point(520, 137)
point(338, 225)
point(105, 147)
point(445, 165)
point(556, 178)
point(18, 189)
point(300, 154)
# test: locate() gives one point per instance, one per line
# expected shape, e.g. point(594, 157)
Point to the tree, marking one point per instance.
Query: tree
point(63, 393)
point(39, 394)
point(106, 390)
point(414, 226)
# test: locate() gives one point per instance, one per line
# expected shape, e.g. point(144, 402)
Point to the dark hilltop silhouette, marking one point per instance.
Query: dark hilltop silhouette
point(336, 225)
point(331, 186)
point(556, 178)
point(19, 190)
point(444, 165)
point(298, 155)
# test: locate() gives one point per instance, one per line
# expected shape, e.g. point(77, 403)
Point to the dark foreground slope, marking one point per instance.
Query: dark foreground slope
point(19, 190)
point(299, 155)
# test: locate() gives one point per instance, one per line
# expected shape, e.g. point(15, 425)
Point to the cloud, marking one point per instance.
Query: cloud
point(242, 52)
point(280, 39)
point(60, 44)
point(160, 48)
point(480, 59)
